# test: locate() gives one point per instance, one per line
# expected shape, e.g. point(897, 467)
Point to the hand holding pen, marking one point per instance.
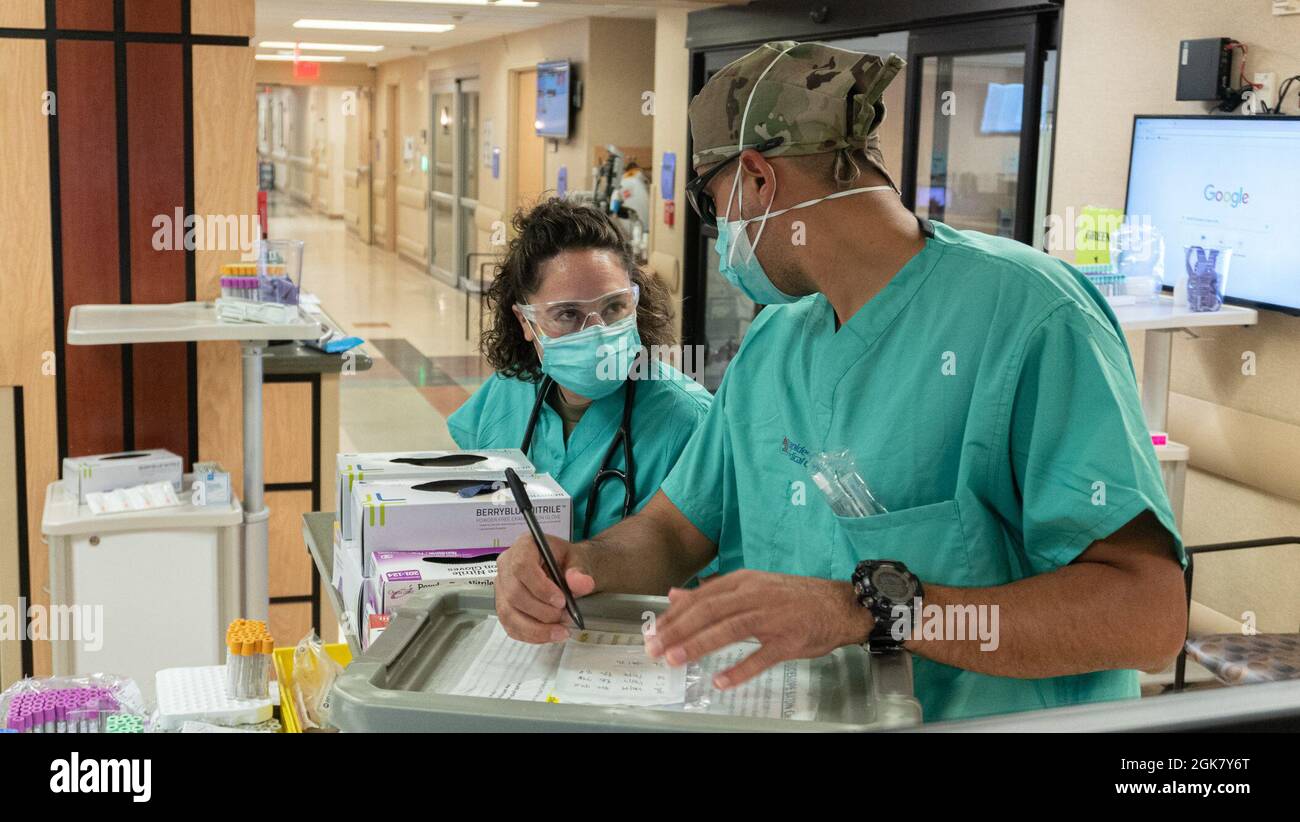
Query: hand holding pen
point(533, 591)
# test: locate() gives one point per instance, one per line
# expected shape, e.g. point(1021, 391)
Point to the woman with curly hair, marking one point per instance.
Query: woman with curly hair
point(573, 323)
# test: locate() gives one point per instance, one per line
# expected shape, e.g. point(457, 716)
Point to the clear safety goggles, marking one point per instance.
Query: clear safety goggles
point(561, 317)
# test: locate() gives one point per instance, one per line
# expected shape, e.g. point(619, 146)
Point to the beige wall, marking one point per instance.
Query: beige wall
point(492, 62)
point(622, 57)
point(1118, 58)
point(614, 60)
point(672, 86)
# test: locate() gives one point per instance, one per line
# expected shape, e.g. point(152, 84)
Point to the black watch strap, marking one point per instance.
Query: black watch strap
point(889, 591)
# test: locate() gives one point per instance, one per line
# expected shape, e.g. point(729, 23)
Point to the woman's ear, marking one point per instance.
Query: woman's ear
point(523, 323)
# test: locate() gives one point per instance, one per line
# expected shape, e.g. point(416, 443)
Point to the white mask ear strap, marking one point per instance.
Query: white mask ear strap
point(536, 329)
point(740, 146)
point(834, 196)
point(753, 247)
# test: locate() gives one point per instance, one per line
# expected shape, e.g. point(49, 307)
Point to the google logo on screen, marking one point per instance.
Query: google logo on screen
point(1232, 198)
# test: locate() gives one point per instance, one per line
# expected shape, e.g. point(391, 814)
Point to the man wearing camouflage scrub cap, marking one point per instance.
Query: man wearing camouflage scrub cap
point(1028, 555)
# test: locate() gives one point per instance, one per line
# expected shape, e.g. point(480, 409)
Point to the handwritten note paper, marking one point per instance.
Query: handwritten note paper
point(595, 673)
point(506, 669)
point(780, 692)
point(610, 668)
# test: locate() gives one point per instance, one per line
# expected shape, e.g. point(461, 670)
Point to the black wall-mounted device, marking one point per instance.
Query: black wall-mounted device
point(1204, 68)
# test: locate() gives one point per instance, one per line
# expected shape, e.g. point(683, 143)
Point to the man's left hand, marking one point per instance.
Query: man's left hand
point(792, 617)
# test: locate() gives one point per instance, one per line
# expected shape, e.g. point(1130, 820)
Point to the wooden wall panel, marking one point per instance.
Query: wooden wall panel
point(156, 162)
point(153, 15)
point(232, 17)
point(95, 15)
point(93, 376)
point(286, 437)
point(225, 182)
point(22, 14)
point(11, 667)
point(290, 563)
point(27, 310)
point(290, 622)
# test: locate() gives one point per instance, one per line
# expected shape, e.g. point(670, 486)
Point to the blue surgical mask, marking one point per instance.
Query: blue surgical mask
point(593, 362)
point(738, 259)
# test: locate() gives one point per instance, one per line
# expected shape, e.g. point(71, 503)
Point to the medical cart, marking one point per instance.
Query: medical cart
point(198, 322)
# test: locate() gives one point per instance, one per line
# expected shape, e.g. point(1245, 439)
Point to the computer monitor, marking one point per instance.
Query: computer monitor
point(553, 83)
point(1225, 182)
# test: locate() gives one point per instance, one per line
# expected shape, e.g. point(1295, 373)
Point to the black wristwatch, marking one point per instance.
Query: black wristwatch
point(889, 591)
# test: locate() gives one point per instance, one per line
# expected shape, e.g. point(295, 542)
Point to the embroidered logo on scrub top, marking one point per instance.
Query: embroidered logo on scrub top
point(796, 452)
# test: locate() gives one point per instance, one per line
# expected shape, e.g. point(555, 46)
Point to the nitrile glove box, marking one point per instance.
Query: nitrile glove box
point(349, 580)
point(109, 472)
point(416, 465)
point(433, 515)
point(399, 574)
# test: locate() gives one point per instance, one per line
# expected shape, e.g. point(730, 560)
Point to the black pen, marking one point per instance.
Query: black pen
point(552, 569)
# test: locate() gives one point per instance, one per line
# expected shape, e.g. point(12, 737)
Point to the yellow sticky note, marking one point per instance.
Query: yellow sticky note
point(1092, 234)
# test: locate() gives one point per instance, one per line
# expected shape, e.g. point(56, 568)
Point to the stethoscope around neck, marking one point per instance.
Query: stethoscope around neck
point(623, 438)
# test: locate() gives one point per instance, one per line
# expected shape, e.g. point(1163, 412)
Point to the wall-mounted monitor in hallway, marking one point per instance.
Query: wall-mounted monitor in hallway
point(554, 79)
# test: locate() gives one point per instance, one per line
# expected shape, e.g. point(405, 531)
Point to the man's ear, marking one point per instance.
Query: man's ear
point(757, 177)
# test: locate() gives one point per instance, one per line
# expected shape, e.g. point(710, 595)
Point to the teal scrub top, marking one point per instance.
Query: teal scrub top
point(988, 397)
point(667, 411)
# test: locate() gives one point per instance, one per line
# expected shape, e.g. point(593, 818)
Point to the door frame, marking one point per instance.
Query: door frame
point(457, 88)
point(1009, 34)
point(392, 150)
point(512, 144)
point(366, 160)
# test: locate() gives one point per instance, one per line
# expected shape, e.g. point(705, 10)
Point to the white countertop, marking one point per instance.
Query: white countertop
point(1161, 314)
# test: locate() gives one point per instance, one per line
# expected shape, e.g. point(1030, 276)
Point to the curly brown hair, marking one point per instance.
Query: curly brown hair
point(548, 228)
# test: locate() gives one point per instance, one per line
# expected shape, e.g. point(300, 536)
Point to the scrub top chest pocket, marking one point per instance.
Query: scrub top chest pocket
point(929, 539)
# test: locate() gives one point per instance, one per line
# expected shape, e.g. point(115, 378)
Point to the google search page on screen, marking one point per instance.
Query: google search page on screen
point(1229, 183)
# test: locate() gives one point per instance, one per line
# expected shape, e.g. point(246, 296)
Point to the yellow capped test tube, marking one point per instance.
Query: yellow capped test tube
point(248, 659)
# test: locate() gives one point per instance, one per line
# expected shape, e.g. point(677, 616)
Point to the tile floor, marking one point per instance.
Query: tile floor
point(413, 325)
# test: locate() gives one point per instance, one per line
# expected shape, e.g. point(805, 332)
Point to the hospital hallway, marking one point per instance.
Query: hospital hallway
point(414, 331)
point(851, 366)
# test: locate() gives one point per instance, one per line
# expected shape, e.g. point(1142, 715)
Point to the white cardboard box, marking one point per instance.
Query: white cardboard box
point(399, 574)
point(109, 472)
point(348, 579)
point(412, 516)
point(413, 465)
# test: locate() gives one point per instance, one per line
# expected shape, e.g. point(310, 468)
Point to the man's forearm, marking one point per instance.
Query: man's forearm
point(1079, 618)
point(647, 553)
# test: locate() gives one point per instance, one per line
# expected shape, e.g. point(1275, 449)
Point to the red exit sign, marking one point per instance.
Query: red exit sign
point(306, 70)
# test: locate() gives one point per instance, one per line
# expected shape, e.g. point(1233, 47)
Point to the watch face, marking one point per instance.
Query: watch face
point(891, 584)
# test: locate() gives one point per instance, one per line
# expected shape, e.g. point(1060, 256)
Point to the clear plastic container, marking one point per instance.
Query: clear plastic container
point(1137, 250)
point(279, 270)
